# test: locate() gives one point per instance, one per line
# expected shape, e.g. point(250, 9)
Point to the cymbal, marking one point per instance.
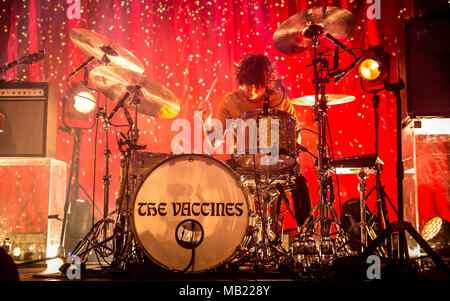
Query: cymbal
point(105, 50)
point(155, 99)
point(332, 99)
point(295, 34)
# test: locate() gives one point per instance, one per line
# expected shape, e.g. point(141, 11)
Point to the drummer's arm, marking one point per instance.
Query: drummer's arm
point(211, 124)
point(289, 107)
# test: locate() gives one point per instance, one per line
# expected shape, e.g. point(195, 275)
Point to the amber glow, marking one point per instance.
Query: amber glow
point(431, 228)
point(369, 69)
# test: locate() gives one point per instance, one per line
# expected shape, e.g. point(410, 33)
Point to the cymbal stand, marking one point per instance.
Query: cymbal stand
point(326, 195)
point(125, 241)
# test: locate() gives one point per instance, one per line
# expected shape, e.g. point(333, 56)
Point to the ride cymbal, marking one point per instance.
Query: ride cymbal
point(155, 99)
point(332, 99)
point(105, 50)
point(295, 34)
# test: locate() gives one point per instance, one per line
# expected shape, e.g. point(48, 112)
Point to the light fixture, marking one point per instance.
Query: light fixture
point(436, 231)
point(79, 102)
point(374, 69)
point(84, 102)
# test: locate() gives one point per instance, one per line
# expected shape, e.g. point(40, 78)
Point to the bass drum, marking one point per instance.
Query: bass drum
point(192, 214)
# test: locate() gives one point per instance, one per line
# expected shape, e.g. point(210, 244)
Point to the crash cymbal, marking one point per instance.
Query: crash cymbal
point(294, 35)
point(155, 99)
point(105, 50)
point(332, 99)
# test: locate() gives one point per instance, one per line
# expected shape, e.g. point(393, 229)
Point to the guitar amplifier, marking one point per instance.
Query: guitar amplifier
point(29, 119)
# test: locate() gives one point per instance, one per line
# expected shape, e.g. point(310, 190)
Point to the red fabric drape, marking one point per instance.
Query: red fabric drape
point(185, 45)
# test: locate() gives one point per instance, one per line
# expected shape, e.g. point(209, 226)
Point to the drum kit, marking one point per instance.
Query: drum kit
point(192, 213)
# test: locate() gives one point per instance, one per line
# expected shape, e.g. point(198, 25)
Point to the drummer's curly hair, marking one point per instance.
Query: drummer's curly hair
point(255, 69)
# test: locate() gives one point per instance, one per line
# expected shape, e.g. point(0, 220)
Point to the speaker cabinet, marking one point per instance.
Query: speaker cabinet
point(29, 126)
point(427, 62)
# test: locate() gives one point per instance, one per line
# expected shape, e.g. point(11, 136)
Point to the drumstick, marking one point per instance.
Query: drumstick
point(212, 87)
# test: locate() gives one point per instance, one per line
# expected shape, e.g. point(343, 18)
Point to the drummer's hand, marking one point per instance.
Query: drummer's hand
point(206, 109)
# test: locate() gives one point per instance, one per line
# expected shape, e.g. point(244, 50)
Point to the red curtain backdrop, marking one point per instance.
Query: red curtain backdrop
point(185, 45)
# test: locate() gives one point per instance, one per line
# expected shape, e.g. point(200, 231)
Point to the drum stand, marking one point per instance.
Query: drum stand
point(120, 246)
point(266, 253)
point(326, 193)
point(127, 248)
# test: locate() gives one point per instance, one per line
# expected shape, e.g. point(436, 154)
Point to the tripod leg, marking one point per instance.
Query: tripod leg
point(403, 226)
point(424, 245)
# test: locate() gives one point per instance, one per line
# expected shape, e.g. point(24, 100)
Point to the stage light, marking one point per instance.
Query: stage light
point(374, 69)
point(369, 69)
point(79, 102)
point(436, 231)
point(84, 102)
point(16, 252)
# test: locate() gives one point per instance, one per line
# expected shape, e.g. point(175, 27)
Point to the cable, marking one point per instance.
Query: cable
point(190, 262)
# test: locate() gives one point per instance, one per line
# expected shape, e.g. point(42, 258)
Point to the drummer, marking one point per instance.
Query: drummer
point(254, 72)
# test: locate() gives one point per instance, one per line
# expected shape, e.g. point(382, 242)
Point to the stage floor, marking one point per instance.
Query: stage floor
point(95, 273)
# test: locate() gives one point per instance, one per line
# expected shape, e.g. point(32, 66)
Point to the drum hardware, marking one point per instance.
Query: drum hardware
point(319, 30)
point(121, 78)
point(267, 251)
point(362, 166)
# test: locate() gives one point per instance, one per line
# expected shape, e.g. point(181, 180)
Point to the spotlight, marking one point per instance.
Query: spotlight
point(436, 231)
point(84, 102)
point(374, 69)
point(79, 102)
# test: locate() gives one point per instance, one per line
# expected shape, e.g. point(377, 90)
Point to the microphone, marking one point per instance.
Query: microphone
point(336, 58)
point(119, 105)
point(283, 196)
point(337, 42)
point(341, 73)
point(81, 66)
point(86, 77)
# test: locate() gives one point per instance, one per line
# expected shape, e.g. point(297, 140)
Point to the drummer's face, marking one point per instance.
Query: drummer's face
point(252, 91)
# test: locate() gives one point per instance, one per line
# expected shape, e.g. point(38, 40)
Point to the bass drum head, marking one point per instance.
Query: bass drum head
point(191, 202)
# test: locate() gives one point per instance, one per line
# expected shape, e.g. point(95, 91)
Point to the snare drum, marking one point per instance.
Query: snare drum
point(192, 214)
point(251, 160)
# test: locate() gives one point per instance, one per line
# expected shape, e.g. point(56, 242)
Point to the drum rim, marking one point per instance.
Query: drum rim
point(242, 171)
point(247, 200)
point(276, 112)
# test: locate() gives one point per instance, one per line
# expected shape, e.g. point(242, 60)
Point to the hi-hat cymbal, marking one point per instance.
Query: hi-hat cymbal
point(155, 99)
point(105, 49)
point(332, 99)
point(295, 34)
